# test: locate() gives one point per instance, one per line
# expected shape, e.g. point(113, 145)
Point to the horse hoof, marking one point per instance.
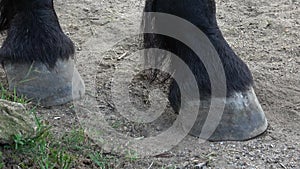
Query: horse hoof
point(43, 85)
point(242, 118)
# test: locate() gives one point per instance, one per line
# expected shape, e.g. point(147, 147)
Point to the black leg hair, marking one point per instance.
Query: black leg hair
point(7, 12)
point(33, 33)
point(201, 13)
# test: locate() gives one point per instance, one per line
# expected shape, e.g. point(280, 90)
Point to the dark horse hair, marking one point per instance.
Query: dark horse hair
point(201, 13)
point(33, 33)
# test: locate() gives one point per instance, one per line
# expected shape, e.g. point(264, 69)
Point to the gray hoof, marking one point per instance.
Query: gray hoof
point(45, 86)
point(242, 119)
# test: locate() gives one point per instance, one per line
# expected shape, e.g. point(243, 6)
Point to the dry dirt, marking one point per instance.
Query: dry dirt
point(265, 34)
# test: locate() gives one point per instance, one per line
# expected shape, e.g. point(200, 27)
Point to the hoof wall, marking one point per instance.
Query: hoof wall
point(242, 119)
point(43, 85)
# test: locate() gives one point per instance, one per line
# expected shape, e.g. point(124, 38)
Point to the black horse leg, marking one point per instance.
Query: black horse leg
point(36, 54)
point(243, 117)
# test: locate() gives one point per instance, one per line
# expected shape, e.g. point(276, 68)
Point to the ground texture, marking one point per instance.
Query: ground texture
point(265, 34)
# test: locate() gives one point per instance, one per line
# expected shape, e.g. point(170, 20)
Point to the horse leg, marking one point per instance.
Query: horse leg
point(242, 117)
point(37, 56)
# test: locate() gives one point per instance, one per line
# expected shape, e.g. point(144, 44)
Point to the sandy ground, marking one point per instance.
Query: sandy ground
point(265, 34)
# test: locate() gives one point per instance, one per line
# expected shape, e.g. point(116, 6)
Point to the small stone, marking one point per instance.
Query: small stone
point(86, 9)
point(252, 154)
point(158, 128)
point(200, 165)
point(57, 118)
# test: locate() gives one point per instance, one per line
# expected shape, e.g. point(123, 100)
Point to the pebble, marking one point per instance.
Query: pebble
point(57, 118)
point(200, 166)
